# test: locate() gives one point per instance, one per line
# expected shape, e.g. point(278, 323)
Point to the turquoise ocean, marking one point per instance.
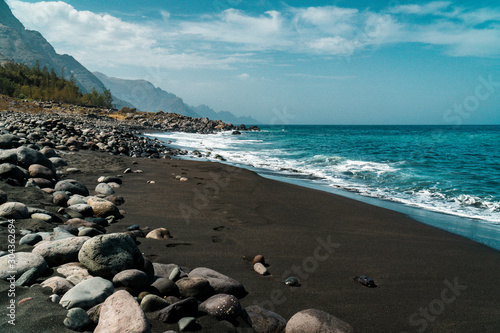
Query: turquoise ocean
point(445, 176)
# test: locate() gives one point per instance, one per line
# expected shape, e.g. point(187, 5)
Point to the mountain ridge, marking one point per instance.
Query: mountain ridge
point(146, 97)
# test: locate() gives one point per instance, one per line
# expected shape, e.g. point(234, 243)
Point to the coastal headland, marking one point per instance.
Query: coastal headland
point(220, 217)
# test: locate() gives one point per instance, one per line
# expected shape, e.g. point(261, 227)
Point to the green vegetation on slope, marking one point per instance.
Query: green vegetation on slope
point(21, 81)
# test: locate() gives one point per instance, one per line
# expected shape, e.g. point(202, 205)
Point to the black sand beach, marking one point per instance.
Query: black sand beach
point(428, 280)
point(220, 217)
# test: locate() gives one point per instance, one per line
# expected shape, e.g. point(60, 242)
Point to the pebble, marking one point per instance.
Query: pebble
point(292, 282)
point(73, 170)
point(134, 227)
point(312, 320)
point(77, 319)
point(187, 323)
point(258, 258)
point(159, 233)
point(260, 268)
point(43, 217)
point(54, 298)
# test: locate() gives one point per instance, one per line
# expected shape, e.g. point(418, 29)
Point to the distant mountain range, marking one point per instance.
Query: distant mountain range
point(30, 47)
point(146, 97)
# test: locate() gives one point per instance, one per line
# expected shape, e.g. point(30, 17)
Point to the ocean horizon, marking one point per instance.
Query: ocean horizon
point(445, 176)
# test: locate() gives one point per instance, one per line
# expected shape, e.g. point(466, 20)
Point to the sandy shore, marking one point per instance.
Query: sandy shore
point(428, 280)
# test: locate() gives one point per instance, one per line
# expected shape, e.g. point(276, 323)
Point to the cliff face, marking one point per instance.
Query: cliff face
point(27, 46)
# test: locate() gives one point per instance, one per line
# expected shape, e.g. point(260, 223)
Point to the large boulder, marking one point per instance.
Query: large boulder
point(8, 170)
point(312, 320)
point(121, 313)
point(8, 156)
point(107, 255)
point(72, 186)
point(40, 171)
point(14, 210)
point(28, 156)
point(61, 251)
point(221, 283)
point(103, 208)
point(8, 141)
point(23, 261)
point(222, 307)
point(87, 293)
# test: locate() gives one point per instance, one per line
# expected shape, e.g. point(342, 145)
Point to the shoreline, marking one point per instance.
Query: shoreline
point(412, 263)
point(478, 230)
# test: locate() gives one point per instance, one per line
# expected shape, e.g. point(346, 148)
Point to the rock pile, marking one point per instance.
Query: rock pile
point(102, 279)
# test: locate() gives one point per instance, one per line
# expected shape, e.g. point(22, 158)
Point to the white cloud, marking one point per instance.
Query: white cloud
point(234, 26)
point(231, 37)
point(243, 76)
point(435, 8)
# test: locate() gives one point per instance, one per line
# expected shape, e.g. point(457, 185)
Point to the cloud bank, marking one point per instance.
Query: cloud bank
point(230, 37)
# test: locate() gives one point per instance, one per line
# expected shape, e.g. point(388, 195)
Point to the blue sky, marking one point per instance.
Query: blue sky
point(313, 62)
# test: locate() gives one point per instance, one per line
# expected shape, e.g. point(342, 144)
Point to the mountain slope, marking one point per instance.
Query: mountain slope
point(225, 116)
point(28, 47)
point(145, 96)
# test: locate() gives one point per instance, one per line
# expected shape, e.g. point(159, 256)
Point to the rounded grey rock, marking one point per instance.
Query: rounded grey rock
point(106, 255)
point(222, 307)
point(24, 261)
point(30, 239)
point(105, 189)
point(312, 320)
point(76, 319)
point(73, 186)
point(87, 293)
point(14, 210)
